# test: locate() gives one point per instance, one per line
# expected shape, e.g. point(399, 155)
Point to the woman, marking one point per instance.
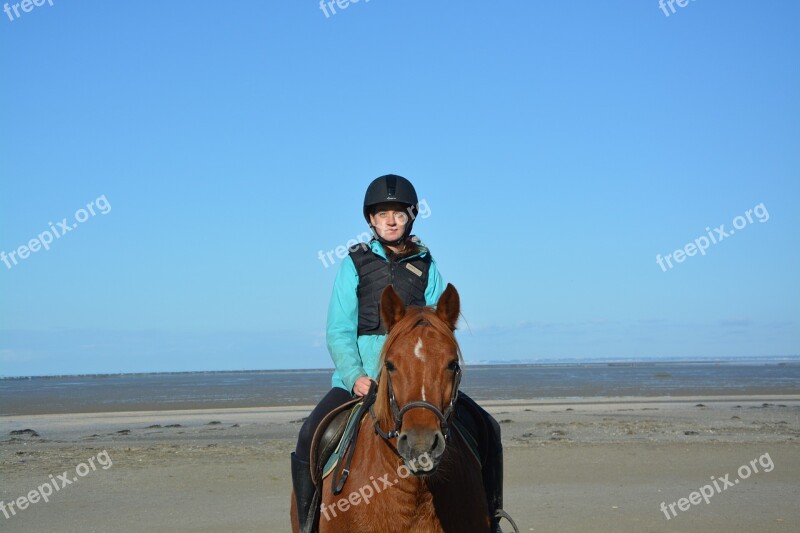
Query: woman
point(355, 332)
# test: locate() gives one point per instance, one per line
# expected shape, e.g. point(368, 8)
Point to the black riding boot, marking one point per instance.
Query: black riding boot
point(486, 432)
point(304, 492)
point(493, 473)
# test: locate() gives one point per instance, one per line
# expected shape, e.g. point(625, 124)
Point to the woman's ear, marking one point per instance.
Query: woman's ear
point(392, 308)
point(448, 306)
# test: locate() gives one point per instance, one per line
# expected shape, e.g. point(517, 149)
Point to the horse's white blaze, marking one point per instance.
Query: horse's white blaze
point(419, 355)
point(418, 350)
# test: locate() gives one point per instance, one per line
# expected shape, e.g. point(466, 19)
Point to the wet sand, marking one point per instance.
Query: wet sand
point(590, 465)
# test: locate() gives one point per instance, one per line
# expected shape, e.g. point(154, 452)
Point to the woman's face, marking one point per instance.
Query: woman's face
point(389, 220)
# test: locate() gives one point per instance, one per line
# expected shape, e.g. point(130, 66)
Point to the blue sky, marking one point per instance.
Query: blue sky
point(559, 146)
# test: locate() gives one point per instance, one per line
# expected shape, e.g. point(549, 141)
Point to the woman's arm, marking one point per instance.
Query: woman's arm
point(436, 284)
point(342, 327)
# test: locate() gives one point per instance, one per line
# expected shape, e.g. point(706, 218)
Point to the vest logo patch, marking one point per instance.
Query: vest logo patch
point(414, 269)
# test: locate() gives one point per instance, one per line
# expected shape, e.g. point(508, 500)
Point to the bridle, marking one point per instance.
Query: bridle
point(397, 412)
point(342, 468)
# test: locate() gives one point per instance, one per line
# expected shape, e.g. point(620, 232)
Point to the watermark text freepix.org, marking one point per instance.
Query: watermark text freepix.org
point(56, 231)
point(424, 211)
point(56, 483)
point(702, 243)
point(331, 5)
point(366, 492)
point(705, 492)
point(26, 6)
point(663, 4)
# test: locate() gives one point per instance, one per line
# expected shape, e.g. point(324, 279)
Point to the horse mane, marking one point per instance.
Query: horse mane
point(415, 317)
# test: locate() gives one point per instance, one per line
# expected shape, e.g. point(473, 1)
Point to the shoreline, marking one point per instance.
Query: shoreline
point(284, 421)
point(199, 390)
point(246, 406)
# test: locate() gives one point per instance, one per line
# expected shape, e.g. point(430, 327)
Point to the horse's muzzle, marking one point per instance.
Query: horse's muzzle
point(421, 449)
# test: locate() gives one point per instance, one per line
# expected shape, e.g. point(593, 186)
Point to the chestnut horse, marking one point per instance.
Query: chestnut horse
point(411, 470)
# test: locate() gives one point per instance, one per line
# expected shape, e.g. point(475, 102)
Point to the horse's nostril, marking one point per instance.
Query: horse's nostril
point(402, 443)
point(439, 444)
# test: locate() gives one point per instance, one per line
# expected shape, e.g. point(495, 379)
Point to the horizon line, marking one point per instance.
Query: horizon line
point(478, 363)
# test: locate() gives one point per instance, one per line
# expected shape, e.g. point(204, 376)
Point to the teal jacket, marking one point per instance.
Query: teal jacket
point(356, 356)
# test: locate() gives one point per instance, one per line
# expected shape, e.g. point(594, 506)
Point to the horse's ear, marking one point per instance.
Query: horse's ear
point(448, 306)
point(392, 308)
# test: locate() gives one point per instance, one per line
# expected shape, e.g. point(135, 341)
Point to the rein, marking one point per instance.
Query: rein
point(397, 412)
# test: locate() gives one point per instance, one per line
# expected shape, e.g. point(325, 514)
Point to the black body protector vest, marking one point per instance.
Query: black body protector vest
point(408, 276)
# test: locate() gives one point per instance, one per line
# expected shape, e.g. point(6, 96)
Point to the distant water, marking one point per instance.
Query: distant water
point(197, 390)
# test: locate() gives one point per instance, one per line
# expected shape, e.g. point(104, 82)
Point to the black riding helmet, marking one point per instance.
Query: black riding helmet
point(391, 188)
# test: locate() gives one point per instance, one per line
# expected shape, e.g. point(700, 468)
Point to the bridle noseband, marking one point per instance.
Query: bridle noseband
point(397, 412)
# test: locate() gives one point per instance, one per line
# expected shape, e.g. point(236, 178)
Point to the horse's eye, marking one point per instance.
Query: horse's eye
point(390, 366)
point(452, 366)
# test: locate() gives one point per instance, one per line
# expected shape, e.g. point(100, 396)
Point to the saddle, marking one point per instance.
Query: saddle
point(328, 437)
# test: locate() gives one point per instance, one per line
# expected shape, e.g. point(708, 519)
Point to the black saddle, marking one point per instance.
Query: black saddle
point(327, 438)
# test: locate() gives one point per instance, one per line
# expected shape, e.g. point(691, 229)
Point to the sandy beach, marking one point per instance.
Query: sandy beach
point(588, 465)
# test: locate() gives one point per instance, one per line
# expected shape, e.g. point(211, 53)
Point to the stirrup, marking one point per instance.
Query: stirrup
point(502, 514)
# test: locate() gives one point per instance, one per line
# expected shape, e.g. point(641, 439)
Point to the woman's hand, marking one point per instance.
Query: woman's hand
point(361, 387)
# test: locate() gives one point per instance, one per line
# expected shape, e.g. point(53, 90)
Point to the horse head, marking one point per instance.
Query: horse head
point(419, 377)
